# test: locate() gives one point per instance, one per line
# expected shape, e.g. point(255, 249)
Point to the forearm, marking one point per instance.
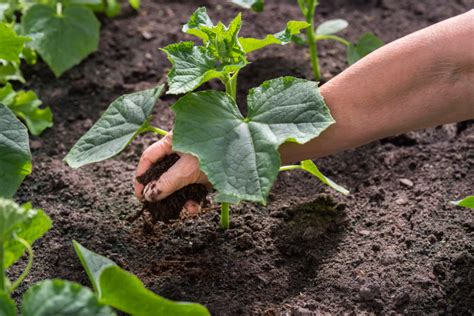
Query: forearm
point(424, 79)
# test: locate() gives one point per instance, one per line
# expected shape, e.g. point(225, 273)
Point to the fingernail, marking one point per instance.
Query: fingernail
point(151, 192)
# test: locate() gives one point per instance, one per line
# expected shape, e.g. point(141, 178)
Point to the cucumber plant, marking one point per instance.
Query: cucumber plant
point(238, 154)
point(25, 104)
point(63, 32)
point(114, 288)
point(327, 30)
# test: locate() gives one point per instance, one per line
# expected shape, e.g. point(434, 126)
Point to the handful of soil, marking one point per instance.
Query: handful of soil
point(170, 207)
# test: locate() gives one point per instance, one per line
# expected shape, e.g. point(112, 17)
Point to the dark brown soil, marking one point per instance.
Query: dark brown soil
point(391, 247)
point(170, 207)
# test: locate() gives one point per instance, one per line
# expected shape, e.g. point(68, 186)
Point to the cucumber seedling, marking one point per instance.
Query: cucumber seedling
point(239, 154)
point(327, 30)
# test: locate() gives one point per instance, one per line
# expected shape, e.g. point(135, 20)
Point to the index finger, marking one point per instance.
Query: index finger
point(150, 156)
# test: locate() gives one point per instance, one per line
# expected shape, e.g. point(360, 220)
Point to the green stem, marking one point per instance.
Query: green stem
point(332, 37)
point(225, 209)
point(28, 266)
point(230, 83)
point(156, 130)
point(291, 167)
point(59, 9)
point(313, 49)
point(2, 269)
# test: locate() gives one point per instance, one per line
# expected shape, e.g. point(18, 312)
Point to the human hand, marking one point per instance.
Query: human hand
point(184, 172)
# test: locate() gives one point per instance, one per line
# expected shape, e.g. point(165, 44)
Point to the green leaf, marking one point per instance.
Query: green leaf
point(23, 221)
point(26, 106)
point(366, 44)
point(309, 166)
point(125, 292)
point(93, 263)
point(29, 55)
point(198, 19)
point(331, 27)
point(7, 305)
point(112, 8)
point(255, 5)
point(67, 39)
point(281, 38)
point(119, 125)
point(10, 71)
point(240, 155)
point(222, 42)
point(466, 202)
point(58, 297)
point(192, 66)
point(11, 44)
point(135, 4)
point(15, 156)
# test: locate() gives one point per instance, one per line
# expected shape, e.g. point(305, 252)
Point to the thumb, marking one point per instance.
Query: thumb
point(184, 172)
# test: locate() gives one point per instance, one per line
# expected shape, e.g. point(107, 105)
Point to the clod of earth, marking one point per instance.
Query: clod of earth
point(170, 207)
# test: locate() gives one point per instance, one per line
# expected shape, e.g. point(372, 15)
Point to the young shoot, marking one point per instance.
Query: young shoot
point(238, 154)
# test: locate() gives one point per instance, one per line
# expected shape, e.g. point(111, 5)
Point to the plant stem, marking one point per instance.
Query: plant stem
point(156, 130)
point(2, 271)
point(291, 167)
point(332, 37)
point(225, 209)
point(313, 49)
point(230, 83)
point(28, 266)
point(59, 9)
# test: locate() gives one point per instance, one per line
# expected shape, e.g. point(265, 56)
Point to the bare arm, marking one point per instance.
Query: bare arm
point(421, 80)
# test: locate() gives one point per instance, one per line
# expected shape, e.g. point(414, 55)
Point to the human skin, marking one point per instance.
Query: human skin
point(421, 80)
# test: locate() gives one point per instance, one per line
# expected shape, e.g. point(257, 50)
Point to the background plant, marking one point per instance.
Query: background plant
point(238, 154)
point(21, 226)
point(327, 30)
point(25, 104)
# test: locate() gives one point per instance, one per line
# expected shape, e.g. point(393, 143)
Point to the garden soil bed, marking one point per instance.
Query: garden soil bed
point(395, 245)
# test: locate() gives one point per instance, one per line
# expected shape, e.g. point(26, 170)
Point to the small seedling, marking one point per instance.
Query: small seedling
point(466, 202)
point(366, 44)
point(238, 154)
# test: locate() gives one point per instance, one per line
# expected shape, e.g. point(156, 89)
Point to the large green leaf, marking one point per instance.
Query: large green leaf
point(125, 292)
point(192, 66)
point(66, 39)
point(366, 44)
point(23, 221)
point(15, 156)
point(466, 202)
point(240, 155)
point(198, 19)
point(255, 5)
point(26, 106)
point(58, 297)
point(282, 38)
point(93, 263)
point(331, 27)
point(11, 44)
point(7, 305)
point(119, 125)
point(10, 71)
point(309, 166)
